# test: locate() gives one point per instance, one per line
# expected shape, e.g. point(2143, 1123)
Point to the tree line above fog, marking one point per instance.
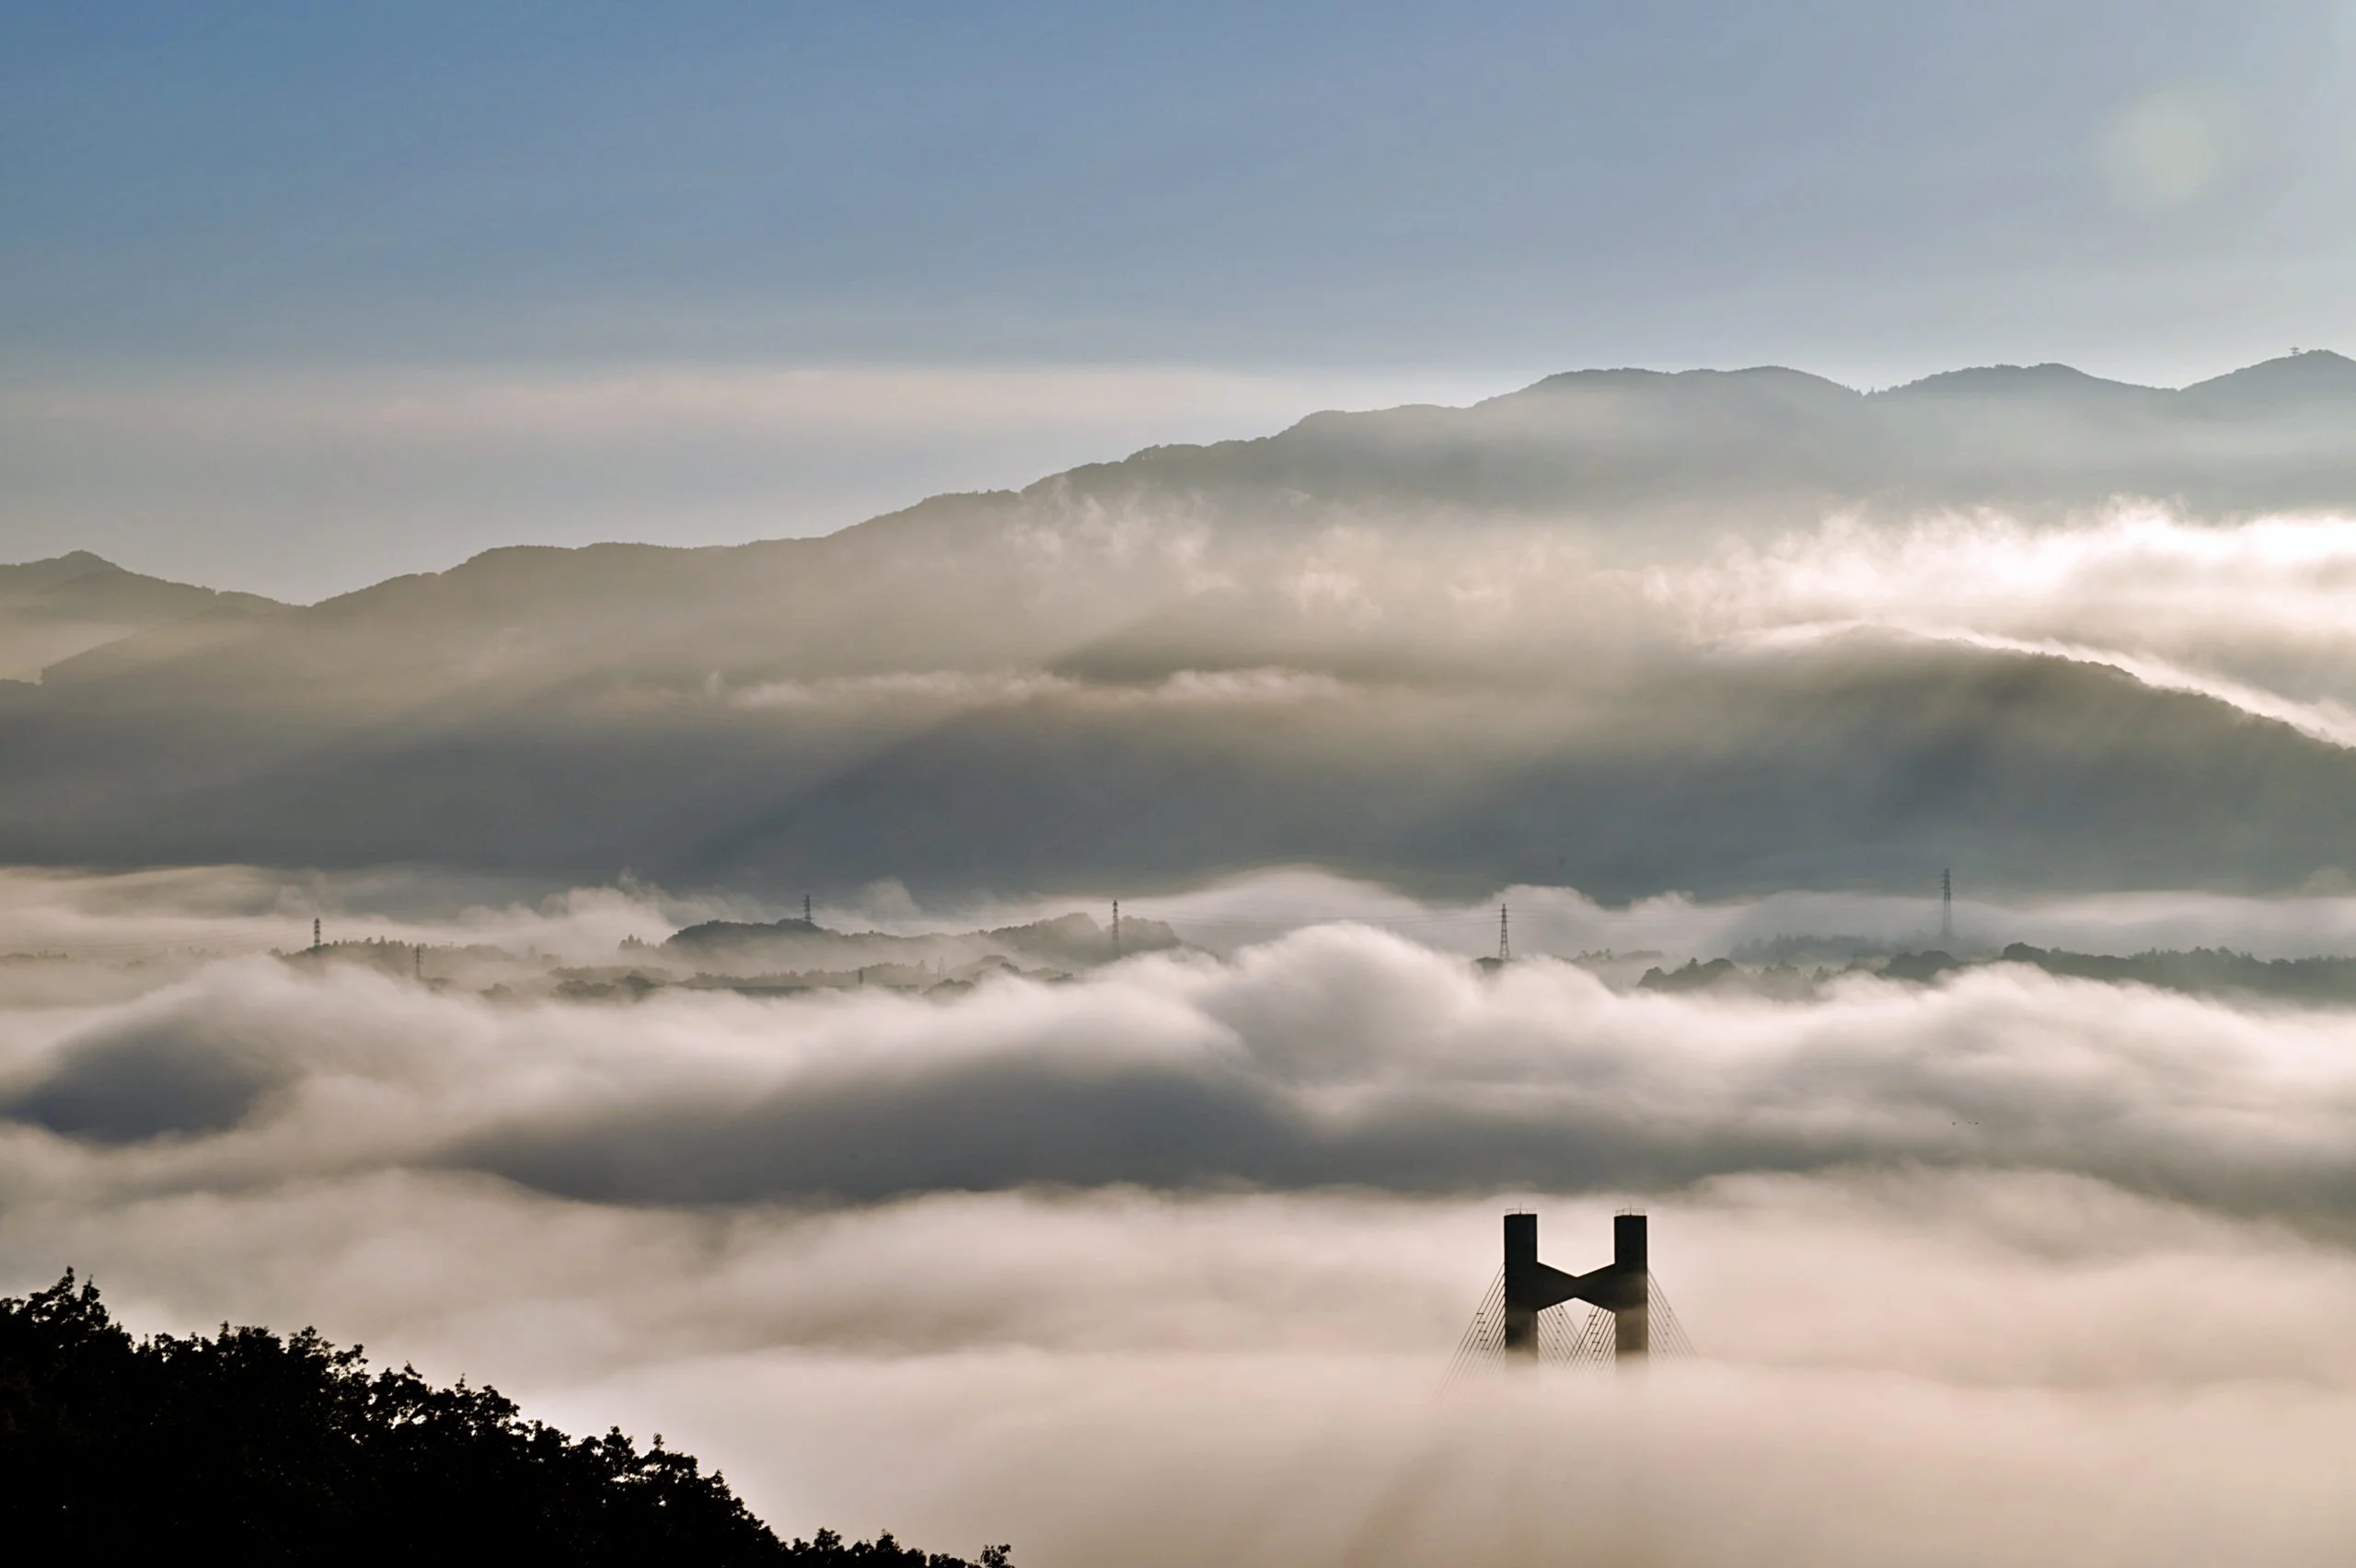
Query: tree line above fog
point(1412, 644)
point(272, 1448)
point(2196, 972)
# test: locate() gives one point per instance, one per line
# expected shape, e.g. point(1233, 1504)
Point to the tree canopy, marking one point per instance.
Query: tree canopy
point(290, 1449)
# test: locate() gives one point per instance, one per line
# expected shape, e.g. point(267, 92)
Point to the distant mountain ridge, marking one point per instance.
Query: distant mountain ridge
point(1208, 657)
point(1676, 446)
point(1072, 940)
point(56, 609)
point(1587, 437)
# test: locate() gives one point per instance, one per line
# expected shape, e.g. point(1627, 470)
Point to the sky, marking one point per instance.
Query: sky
point(294, 298)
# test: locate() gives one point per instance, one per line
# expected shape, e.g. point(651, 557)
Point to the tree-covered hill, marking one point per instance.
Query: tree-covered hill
point(255, 1447)
point(1547, 636)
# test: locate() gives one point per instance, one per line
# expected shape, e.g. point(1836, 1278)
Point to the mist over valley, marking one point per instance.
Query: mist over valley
point(1032, 785)
point(725, 941)
point(1718, 633)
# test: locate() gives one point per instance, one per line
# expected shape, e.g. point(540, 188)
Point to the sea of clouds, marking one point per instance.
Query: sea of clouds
point(1163, 1264)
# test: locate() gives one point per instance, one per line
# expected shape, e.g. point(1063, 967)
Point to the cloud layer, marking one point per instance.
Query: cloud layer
point(2251, 613)
point(1162, 1265)
point(1131, 687)
point(1337, 1055)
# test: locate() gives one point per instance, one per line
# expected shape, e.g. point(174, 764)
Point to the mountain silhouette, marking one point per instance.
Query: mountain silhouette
point(1205, 657)
point(53, 610)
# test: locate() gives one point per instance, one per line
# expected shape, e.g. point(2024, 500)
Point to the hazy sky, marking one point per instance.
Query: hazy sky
point(246, 246)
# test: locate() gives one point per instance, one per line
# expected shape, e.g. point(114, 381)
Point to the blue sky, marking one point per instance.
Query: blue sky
point(1212, 215)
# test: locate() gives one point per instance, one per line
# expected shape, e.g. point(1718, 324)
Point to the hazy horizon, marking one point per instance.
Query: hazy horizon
point(297, 303)
point(282, 421)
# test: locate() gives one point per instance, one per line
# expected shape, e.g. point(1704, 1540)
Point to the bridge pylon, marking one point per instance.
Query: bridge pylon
point(1621, 1287)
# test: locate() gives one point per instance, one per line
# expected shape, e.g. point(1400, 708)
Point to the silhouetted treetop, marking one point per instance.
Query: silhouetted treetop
point(291, 1450)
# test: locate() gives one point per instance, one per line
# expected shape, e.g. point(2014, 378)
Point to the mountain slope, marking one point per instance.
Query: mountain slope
point(1702, 451)
point(53, 610)
point(1427, 644)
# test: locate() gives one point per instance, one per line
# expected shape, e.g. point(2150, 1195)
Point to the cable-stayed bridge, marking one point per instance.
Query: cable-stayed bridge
point(1533, 1313)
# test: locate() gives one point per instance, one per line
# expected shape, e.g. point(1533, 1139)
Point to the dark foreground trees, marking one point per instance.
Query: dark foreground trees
point(267, 1449)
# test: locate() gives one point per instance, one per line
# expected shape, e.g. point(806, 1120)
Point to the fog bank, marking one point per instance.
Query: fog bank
point(1163, 1262)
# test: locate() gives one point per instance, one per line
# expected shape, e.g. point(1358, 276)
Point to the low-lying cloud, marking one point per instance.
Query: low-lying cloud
point(1336, 1056)
point(1162, 1265)
point(2252, 612)
point(1672, 928)
point(1957, 1368)
point(1127, 692)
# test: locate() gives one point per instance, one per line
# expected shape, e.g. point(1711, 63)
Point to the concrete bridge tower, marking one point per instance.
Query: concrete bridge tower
point(1621, 1287)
